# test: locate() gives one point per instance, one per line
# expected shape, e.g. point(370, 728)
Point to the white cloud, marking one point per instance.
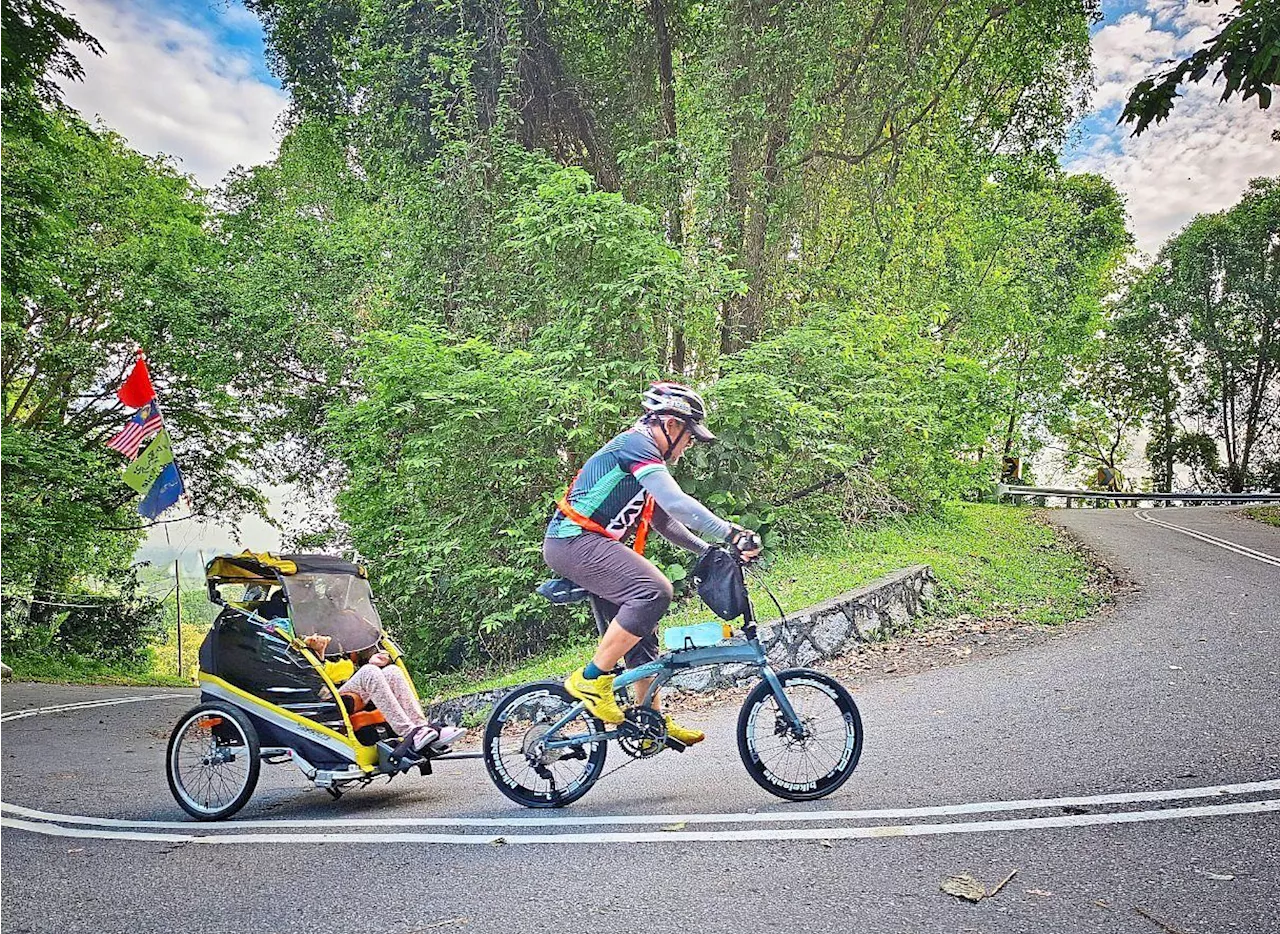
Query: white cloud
point(1126, 52)
point(1198, 160)
point(171, 88)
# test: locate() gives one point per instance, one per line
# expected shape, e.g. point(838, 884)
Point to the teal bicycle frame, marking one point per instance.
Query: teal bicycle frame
point(746, 651)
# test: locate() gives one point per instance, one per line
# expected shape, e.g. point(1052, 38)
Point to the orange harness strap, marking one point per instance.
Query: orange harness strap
point(591, 525)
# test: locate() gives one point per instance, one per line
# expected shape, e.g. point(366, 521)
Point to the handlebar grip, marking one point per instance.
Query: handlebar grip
point(742, 540)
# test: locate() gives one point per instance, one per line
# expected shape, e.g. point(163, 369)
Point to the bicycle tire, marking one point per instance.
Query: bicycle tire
point(502, 765)
point(232, 729)
point(801, 787)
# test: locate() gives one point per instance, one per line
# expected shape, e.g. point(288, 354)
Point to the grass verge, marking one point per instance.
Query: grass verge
point(990, 560)
point(159, 668)
point(1268, 514)
point(76, 669)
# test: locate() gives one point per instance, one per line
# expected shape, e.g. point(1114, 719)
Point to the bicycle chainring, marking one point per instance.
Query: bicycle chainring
point(644, 733)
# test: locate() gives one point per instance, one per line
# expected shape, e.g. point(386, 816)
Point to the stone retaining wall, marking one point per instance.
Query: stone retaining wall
point(824, 630)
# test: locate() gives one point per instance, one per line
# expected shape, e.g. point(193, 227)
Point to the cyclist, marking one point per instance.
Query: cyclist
point(625, 487)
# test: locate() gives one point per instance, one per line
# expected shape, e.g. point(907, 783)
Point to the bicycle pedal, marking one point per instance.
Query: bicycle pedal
point(673, 743)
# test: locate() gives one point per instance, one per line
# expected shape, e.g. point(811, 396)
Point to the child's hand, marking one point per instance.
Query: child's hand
point(318, 643)
point(381, 659)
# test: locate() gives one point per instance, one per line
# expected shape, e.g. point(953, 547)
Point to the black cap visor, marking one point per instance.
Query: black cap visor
point(701, 431)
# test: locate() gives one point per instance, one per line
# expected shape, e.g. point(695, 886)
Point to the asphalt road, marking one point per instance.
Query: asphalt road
point(1173, 689)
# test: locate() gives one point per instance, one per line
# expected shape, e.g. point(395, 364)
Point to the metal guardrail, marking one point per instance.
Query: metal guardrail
point(1017, 492)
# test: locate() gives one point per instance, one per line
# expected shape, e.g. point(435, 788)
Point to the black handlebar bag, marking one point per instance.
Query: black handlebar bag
point(718, 576)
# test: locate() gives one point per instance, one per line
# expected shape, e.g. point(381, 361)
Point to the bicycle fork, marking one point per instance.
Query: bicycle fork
point(784, 703)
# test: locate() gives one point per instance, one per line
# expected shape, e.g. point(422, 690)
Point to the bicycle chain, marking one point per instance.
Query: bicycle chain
point(616, 768)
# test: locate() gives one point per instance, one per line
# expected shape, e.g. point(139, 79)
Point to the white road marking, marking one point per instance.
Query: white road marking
point(770, 817)
point(678, 836)
point(86, 705)
point(1212, 540)
point(86, 827)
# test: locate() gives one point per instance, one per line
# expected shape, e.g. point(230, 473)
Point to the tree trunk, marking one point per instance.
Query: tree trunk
point(673, 184)
point(746, 322)
point(1167, 453)
point(553, 114)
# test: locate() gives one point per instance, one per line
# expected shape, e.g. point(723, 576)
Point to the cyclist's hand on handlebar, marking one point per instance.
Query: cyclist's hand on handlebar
point(745, 543)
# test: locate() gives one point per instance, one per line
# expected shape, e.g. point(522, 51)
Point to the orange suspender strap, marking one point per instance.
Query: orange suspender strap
point(591, 525)
point(642, 529)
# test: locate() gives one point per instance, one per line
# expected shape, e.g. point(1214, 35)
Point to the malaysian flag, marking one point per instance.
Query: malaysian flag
point(145, 422)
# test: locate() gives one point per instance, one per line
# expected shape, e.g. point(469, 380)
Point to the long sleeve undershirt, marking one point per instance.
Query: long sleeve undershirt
point(676, 533)
point(682, 510)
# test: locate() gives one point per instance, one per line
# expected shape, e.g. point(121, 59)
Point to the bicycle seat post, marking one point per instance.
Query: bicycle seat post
point(598, 614)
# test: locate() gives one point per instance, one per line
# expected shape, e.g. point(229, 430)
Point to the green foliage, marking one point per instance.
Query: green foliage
point(1268, 514)
point(1245, 54)
point(115, 628)
point(452, 459)
point(1203, 325)
point(489, 225)
point(106, 250)
point(34, 35)
point(990, 561)
point(870, 413)
point(458, 446)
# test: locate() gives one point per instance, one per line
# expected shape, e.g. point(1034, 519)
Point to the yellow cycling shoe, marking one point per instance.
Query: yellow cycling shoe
point(597, 695)
point(683, 733)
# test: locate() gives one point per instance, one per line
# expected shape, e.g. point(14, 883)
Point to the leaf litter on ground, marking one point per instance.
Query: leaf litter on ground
point(970, 889)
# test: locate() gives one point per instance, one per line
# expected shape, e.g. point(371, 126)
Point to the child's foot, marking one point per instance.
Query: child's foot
point(422, 737)
point(448, 735)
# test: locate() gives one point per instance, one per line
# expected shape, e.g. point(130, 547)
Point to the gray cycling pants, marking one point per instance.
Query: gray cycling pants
point(632, 589)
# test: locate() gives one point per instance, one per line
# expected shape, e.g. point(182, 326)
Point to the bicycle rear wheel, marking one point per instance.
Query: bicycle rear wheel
point(517, 759)
point(809, 763)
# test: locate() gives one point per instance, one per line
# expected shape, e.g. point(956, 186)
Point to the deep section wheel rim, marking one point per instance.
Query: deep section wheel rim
point(804, 763)
point(520, 763)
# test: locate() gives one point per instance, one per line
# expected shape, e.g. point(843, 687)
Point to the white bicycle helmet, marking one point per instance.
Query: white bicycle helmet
point(665, 398)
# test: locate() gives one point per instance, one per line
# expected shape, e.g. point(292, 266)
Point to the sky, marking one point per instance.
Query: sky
point(188, 78)
point(1197, 161)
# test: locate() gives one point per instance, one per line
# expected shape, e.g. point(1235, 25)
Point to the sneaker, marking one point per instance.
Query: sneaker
point(597, 695)
point(448, 735)
point(684, 734)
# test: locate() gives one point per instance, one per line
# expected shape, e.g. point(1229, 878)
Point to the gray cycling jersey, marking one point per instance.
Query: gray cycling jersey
point(611, 487)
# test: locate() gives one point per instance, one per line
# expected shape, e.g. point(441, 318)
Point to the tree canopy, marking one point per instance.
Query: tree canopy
point(489, 226)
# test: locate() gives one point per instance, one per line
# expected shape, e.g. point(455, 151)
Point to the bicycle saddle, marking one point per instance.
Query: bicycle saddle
point(561, 591)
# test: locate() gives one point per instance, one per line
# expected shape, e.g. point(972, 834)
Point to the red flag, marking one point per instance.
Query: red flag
point(137, 390)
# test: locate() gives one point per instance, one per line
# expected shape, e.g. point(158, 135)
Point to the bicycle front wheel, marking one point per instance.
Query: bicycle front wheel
point(811, 761)
point(518, 760)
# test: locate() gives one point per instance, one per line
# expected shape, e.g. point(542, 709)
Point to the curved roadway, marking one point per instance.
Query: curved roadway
point(1129, 770)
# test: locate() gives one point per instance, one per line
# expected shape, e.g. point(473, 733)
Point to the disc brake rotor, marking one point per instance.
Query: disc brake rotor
point(790, 737)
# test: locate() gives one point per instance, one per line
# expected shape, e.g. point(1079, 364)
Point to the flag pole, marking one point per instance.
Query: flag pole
point(186, 494)
point(177, 594)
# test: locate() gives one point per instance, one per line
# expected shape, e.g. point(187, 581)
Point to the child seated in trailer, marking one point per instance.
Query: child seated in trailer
point(373, 679)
